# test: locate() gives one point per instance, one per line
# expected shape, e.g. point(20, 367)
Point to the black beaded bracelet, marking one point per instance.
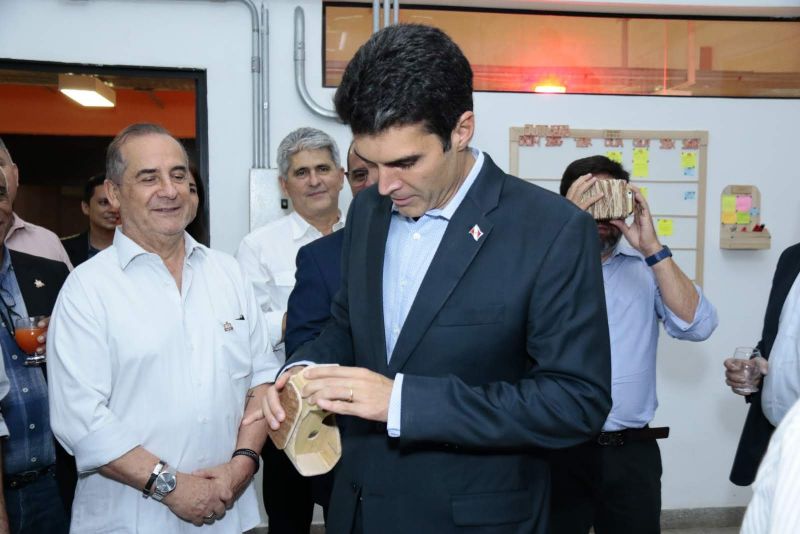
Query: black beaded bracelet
point(250, 453)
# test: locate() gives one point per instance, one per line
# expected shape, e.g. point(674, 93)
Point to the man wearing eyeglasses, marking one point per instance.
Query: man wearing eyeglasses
point(29, 286)
point(311, 176)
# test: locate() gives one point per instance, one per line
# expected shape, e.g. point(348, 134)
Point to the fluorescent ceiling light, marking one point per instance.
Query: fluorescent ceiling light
point(550, 88)
point(87, 91)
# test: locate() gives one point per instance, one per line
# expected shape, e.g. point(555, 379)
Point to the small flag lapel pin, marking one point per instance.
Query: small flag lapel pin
point(475, 232)
point(38, 283)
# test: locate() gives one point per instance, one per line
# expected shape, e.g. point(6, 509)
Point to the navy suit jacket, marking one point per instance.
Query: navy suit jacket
point(317, 279)
point(40, 280)
point(505, 352)
point(757, 428)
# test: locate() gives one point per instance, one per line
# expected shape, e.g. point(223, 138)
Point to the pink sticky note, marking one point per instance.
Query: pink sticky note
point(744, 202)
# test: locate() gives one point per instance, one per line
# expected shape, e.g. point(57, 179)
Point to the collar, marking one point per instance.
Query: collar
point(624, 249)
point(452, 205)
point(16, 224)
point(301, 227)
point(5, 265)
point(127, 249)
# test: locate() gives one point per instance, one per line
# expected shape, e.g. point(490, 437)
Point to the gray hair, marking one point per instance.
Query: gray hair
point(4, 148)
point(115, 163)
point(305, 139)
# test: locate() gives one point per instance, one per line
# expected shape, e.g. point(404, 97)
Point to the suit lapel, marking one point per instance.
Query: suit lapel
point(452, 259)
point(32, 285)
point(376, 248)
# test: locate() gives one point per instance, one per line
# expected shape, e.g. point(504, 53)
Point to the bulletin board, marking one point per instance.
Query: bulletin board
point(669, 167)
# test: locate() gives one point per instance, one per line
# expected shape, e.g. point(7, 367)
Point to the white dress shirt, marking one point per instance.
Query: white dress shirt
point(776, 490)
point(133, 360)
point(267, 256)
point(782, 384)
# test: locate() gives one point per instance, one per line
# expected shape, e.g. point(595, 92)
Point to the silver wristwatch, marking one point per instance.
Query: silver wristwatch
point(166, 481)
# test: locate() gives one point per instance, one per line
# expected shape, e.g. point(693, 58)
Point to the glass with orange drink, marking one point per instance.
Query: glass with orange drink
point(27, 330)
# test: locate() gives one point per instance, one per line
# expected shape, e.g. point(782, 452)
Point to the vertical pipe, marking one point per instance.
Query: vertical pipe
point(376, 15)
point(625, 43)
point(264, 109)
point(386, 13)
point(300, 66)
point(396, 11)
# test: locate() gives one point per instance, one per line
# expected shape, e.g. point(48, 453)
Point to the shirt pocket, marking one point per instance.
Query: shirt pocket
point(617, 307)
point(233, 345)
point(284, 278)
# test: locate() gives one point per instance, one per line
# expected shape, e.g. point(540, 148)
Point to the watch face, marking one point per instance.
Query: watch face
point(166, 482)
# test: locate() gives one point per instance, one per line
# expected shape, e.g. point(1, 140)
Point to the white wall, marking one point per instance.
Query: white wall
point(751, 141)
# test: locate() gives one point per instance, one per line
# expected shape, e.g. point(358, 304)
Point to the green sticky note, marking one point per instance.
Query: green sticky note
point(615, 155)
point(742, 217)
point(728, 203)
point(664, 227)
point(641, 162)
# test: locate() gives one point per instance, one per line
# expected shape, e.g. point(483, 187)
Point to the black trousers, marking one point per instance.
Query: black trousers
point(289, 497)
point(615, 489)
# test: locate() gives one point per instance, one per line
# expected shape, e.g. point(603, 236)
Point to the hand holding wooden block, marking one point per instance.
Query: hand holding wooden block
point(617, 201)
point(309, 435)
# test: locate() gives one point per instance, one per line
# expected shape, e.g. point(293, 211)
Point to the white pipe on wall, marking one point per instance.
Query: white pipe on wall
point(300, 66)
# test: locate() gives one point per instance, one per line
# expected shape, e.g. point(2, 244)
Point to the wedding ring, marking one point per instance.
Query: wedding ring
point(212, 516)
point(350, 398)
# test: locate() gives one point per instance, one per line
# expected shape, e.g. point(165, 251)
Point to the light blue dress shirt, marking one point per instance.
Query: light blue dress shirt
point(635, 308)
point(410, 247)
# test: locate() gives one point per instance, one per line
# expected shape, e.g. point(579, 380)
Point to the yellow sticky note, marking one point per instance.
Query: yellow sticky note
point(728, 203)
point(689, 163)
point(728, 217)
point(615, 155)
point(664, 227)
point(644, 191)
point(641, 162)
point(742, 217)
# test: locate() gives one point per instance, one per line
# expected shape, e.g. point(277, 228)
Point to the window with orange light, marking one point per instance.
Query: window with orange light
point(523, 51)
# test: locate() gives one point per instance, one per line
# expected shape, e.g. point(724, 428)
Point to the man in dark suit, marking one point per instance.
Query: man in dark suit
point(29, 287)
point(757, 428)
point(319, 270)
point(103, 221)
point(470, 326)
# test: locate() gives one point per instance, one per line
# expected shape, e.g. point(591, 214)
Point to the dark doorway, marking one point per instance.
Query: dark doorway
point(58, 145)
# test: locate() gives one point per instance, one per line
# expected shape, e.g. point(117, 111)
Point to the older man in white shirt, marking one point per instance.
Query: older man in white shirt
point(311, 175)
point(153, 347)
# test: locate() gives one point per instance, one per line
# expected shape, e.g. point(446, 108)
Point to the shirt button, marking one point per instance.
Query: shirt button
point(31, 426)
point(24, 390)
point(14, 356)
point(33, 460)
point(396, 330)
point(402, 283)
point(416, 236)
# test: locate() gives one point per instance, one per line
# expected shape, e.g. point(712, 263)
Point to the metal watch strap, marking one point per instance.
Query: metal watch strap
point(158, 495)
point(147, 491)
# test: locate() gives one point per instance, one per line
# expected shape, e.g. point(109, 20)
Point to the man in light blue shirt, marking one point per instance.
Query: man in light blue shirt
point(613, 482)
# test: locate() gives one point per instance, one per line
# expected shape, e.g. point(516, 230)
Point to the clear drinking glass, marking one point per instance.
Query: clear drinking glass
point(26, 332)
point(744, 357)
